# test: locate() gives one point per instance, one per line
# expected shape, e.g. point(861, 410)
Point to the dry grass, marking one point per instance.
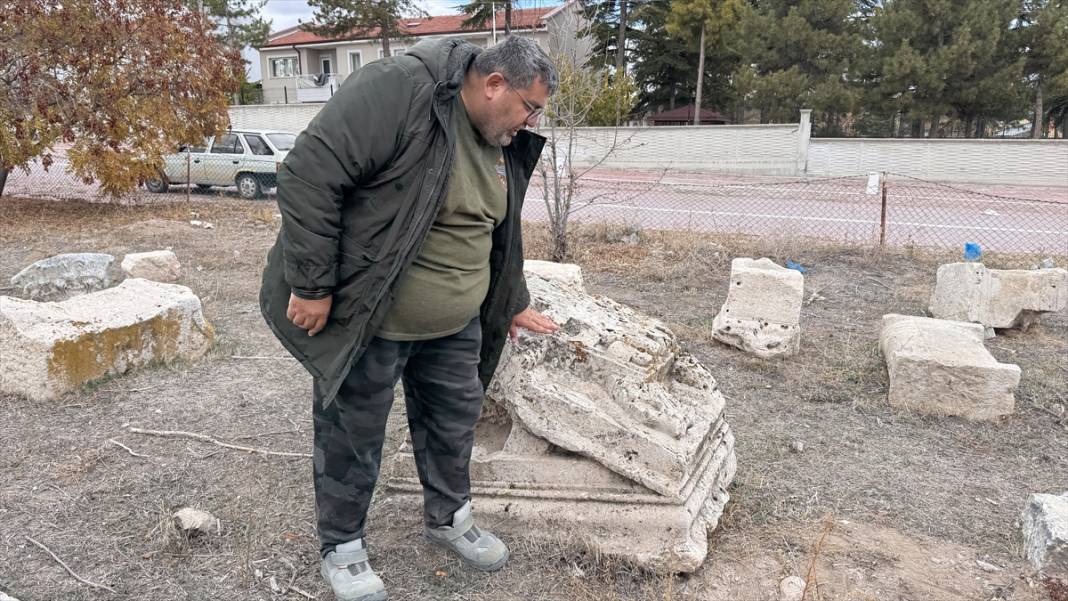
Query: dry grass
point(902, 488)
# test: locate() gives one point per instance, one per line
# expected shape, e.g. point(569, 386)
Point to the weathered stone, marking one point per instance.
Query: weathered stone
point(792, 588)
point(49, 349)
point(1045, 533)
point(605, 431)
point(997, 298)
point(196, 520)
point(762, 312)
point(567, 274)
point(64, 276)
point(5, 597)
point(941, 367)
point(157, 265)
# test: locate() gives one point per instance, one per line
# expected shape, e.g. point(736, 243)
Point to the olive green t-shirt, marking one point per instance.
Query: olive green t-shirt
point(444, 287)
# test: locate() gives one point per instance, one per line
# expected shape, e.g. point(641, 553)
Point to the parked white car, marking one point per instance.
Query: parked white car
point(246, 158)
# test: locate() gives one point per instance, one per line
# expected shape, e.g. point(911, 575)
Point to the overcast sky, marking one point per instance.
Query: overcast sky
point(287, 13)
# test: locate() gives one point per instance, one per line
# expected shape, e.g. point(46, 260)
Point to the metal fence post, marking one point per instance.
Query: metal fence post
point(188, 175)
point(882, 216)
point(285, 91)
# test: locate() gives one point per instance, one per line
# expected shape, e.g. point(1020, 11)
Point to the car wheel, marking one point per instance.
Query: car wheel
point(248, 186)
point(157, 184)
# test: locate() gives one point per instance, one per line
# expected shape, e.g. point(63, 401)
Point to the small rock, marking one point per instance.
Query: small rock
point(1046, 263)
point(190, 519)
point(987, 566)
point(797, 446)
point(273, 583)
point(791, 588)
point(158, 266)
point(5, 597)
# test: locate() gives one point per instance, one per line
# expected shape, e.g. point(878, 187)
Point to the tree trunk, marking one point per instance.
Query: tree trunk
point(700, 79)
point(674, 93)
point(979, 127)
point(3, 181)
point(1036, 125)
point(507, 18)
point(917, 128)
point(385, 43)
point(621, 38)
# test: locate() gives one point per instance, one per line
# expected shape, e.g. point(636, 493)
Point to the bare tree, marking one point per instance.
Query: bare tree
point(581, 89)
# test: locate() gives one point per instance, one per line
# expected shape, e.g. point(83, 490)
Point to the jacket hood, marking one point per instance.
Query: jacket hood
point(447, 60)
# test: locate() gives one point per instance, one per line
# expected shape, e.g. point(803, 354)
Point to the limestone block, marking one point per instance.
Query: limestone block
point(605, 432)
point(157, 265)
point(997, 298)
point(49, 349)
point(941, 367)
point(64, 276)
point(564, 273)
point(1045, 532)
point(762, 312)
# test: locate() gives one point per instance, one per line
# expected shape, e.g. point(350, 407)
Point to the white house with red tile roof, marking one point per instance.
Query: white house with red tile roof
point(300, 66)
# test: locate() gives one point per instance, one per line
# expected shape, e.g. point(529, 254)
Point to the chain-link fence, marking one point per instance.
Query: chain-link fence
point(884, 209)
point(887, 209)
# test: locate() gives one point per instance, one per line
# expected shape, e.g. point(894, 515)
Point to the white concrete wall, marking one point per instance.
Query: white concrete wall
point(742, 149)
point(285, 117)
point(1038, 162)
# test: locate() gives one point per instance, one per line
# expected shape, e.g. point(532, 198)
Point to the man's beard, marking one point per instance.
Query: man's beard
point(496, 134)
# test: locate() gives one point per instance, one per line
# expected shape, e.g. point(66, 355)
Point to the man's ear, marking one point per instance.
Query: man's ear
point(494, 84)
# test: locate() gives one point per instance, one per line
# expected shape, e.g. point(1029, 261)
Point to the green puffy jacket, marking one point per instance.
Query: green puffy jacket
point(358, 193)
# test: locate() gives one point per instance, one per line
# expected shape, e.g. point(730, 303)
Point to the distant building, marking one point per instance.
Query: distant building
point(684, 116)
point(300, 66)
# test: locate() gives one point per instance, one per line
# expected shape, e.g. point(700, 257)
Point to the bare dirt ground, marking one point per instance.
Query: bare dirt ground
point(877, 504)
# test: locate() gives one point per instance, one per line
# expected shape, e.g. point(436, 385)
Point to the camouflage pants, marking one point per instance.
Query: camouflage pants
point(443, 397)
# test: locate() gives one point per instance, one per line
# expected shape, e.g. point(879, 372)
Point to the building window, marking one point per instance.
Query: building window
point(355, 60)
point(393, 51)
point(284, 67)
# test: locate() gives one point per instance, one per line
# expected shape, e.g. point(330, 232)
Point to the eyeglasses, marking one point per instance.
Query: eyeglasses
point(535, 111)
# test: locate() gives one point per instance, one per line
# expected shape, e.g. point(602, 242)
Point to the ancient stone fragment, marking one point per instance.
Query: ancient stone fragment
point(941, 367)
point(64, 276)
point(1045, 533)
point(997, 298)
point(605, 432)
point(762, 312)
point(157, 265)
point(49, 349)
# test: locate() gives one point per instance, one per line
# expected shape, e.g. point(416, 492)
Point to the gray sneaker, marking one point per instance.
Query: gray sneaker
point(349, 574)
point(477, 548)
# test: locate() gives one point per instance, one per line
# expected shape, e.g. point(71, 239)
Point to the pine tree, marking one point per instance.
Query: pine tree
point(238, 22)
point(937, 59)
point(1042, 34)
point(481, 12)
point(703, 21)
point(799, 54)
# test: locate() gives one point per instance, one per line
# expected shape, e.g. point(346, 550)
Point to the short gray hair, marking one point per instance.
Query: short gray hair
point(521, 61)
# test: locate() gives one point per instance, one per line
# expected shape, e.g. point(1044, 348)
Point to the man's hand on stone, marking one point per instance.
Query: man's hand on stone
point(531, 320)
point(308, 314)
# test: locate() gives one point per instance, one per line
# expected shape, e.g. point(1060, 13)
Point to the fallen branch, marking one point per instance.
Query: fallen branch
point(302, 593)
point(128, 449)
point(810, 576)
point(208, 439)
point(70, 571)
